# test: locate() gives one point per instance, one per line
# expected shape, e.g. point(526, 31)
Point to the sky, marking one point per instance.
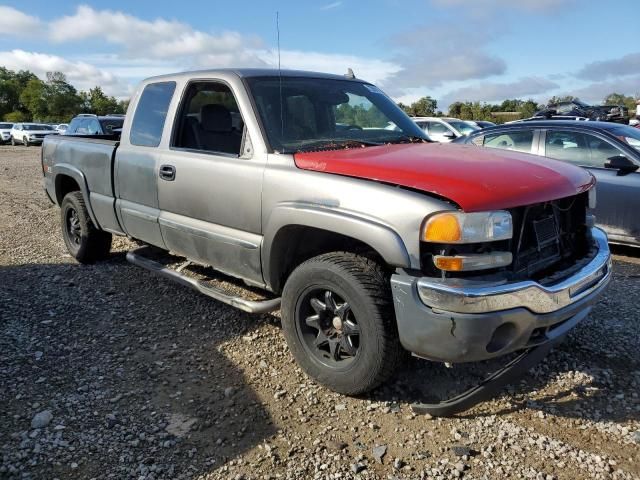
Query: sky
point(466, 50)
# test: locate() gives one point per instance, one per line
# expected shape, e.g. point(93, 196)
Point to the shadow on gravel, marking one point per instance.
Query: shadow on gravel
point(130, 367)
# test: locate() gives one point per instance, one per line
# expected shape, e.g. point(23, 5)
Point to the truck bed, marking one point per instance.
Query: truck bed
point(89, 161)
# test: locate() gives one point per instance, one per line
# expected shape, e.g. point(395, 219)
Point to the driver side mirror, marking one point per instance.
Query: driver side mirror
point(621, 163)
point(450, 135)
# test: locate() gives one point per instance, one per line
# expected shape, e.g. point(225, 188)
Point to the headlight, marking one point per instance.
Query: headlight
point(460, 227)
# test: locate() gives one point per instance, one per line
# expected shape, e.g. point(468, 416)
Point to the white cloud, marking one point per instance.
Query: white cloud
point(601, 70)
point(486, 5)
point(80, 74)
point(596, 92)
point(498, 91)
point(434, 54)
point(159, 38)
point(330, 6)
point(15, 22)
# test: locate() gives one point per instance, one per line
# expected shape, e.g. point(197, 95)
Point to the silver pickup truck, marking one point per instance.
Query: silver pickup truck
point(372, 242)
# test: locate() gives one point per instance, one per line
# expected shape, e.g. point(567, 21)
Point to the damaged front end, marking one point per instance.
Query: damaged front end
point(559, 267)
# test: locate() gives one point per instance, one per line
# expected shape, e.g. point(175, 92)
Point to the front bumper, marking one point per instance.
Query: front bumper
point(458, 320)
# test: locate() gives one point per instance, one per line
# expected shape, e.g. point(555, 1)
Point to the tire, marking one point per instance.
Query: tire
point(83, 240)
point(365, 359)
point(26, 143)
point(13, 142)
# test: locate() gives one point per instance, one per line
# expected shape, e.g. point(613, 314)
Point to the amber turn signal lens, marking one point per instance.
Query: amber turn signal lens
point(442, 228)
point(449, 264)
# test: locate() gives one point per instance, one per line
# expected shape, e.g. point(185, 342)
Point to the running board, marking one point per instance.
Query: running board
point(250, 306)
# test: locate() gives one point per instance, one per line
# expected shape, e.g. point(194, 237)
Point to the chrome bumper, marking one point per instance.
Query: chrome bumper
point(462, 296)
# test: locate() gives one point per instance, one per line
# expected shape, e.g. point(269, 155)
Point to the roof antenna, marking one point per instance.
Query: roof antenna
point(280, 78)
point(350, 75)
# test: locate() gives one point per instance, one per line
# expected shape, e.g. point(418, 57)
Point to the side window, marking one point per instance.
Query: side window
point(73, 126)
point(93, 127)
point(209, 120)
point(436, 128)
point(151, 113)
point(519, 141)
point(601, 151)
point(569, 146)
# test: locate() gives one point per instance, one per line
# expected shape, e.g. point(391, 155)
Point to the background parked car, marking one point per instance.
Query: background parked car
point(61, 128)
point(30, 133)
point(444, 129)
point(610, 151)
point(5, 132)
point(88, 124)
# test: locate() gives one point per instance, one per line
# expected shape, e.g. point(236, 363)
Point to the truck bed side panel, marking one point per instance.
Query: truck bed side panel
point(89, 162)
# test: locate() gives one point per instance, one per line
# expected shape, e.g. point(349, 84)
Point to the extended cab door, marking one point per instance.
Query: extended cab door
point(135, 173)
point(210, 181)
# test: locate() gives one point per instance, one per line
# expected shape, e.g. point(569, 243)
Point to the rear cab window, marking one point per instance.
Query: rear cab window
point(151, 113)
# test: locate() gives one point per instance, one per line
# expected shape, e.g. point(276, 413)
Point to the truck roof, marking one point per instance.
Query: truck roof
point(248, 73)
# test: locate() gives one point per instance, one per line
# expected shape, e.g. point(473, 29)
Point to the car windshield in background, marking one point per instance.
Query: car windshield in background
point(6, 125)
point(463, 127)
point(300, 113)
point(628, 134)
point(37, 127)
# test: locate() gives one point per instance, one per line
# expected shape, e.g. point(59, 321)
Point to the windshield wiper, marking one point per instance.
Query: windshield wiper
point(408, 139)
point(335, 144)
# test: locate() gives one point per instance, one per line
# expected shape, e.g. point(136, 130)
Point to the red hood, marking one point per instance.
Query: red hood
point(475, 178)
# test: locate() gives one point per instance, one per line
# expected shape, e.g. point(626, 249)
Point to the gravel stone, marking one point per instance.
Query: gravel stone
point(41, 419)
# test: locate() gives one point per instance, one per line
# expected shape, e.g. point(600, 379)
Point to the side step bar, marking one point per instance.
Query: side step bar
point(250, 306)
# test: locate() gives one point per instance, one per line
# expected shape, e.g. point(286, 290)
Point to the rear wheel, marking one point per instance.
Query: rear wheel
point(83, 240)
point(339, 322)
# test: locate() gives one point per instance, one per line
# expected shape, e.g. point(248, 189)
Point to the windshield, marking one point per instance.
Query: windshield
point(318, 113)
point(37, 127)
point(6, 125)
point(628, 134)
point(463, 127)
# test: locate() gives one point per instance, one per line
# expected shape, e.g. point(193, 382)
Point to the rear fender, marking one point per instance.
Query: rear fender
point(74, 173)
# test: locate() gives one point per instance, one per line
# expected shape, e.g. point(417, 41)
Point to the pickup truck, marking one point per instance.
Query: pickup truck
point(371, 242)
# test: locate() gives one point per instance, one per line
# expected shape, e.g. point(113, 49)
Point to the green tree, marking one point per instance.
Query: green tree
point(99, 103)
point(424, 107)
point(34, 99)
point(62, 98)
point(16, 116)
point(621, 99)
point(11, 86)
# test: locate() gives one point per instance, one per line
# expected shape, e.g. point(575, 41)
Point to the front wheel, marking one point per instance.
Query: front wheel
point(83, 240)
point(339, 322)
point(13, 142)
point(26, 143)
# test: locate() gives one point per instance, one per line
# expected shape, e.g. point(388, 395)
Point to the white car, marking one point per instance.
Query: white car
point(5, 132)
point(62, 128)
point(444, 129)
point(30, 133)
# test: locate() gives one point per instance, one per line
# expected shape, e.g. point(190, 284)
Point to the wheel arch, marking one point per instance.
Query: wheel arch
point(297, 233)
point(68, 178)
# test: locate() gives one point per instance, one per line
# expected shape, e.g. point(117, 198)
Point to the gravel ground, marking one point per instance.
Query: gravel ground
point(109, 372)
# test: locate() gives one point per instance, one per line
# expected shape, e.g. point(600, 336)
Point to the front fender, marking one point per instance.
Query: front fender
point(80, 179)
point(382, 238)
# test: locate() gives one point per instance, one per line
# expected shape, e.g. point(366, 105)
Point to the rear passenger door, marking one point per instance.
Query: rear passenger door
point(210, 183)
point(136, 178)
point(618, 196)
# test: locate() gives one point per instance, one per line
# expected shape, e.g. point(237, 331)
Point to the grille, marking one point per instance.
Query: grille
point(547, 235)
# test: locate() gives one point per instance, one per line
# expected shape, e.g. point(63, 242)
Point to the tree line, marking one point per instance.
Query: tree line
point(25, 98)
point(501, 112)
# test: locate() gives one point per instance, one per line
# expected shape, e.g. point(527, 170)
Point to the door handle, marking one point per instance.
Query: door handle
point(167, 172)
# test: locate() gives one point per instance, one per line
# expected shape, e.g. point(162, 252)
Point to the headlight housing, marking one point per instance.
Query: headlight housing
point(461, 227)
